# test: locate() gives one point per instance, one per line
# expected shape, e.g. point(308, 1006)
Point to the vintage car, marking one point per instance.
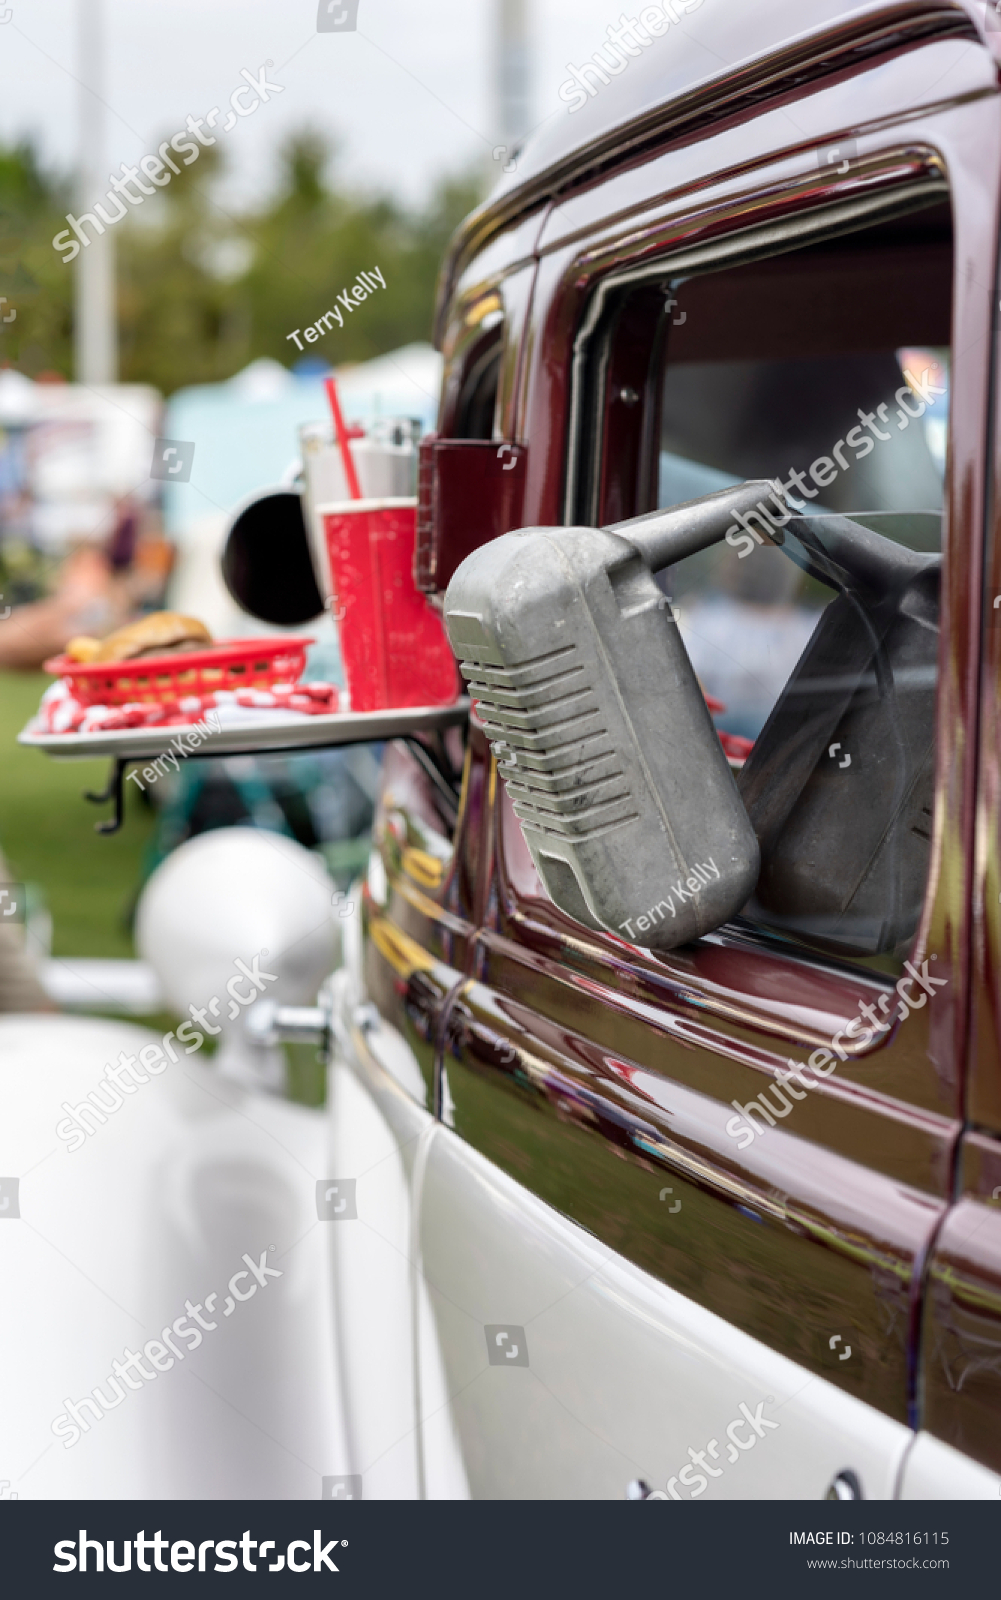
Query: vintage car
point(662, 1152)
point(628, 1209)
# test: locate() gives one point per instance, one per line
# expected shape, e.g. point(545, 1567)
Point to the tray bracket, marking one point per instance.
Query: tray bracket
point(115, 791)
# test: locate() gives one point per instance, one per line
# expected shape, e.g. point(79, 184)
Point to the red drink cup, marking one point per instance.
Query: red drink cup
point(393, 644)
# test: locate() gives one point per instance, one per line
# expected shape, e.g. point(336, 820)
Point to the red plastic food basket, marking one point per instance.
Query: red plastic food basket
point(166, 680)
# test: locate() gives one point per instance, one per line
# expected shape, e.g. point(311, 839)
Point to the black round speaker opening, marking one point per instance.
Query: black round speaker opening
point(266, 564)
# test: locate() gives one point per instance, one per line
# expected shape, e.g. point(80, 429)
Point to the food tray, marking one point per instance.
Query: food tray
point(261, 732)
point(167, 679)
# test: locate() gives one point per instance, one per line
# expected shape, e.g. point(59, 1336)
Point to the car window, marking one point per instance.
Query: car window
point(813, 628)
point(746, 622)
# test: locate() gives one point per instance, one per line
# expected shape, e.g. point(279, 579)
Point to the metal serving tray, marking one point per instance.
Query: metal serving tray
point(283, 731)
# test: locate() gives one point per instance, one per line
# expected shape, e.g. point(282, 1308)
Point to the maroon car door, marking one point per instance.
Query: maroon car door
point(767, 1121)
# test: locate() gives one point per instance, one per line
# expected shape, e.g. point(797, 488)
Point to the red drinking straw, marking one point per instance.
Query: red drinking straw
point(354, 487)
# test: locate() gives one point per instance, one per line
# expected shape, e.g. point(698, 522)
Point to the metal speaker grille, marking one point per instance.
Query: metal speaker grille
point(558, 763)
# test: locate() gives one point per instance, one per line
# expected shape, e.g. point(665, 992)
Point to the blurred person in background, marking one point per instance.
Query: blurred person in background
point(88, 598)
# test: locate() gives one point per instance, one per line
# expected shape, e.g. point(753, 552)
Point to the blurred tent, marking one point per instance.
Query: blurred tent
point(80, 545)
point(69, 454)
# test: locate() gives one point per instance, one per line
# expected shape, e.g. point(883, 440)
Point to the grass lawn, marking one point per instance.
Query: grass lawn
point(47, 833)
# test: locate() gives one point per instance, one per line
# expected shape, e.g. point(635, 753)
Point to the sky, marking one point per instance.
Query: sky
point(408, 94)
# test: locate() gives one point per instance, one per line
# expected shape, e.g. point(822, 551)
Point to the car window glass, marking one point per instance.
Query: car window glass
point(821, 677)
point(746, 621)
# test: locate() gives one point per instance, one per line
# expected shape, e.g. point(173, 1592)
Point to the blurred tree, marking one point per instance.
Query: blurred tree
point(202, 290)
point(314, 241)
point(37, 286)
point(178, 318)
